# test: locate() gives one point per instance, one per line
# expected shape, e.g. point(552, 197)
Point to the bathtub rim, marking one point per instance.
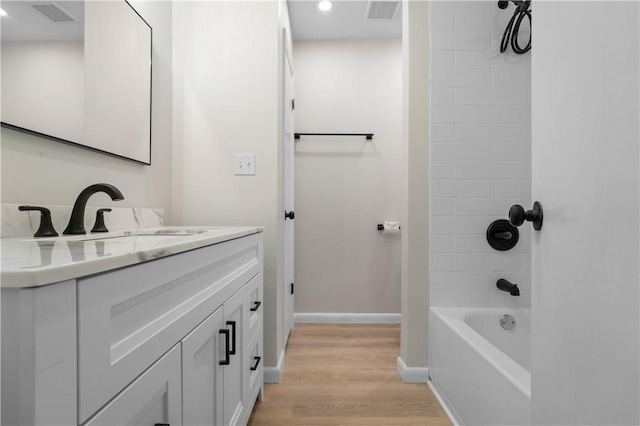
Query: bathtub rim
point(454, 319)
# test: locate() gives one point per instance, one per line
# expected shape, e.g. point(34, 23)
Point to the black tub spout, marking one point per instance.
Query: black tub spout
point(510, 288)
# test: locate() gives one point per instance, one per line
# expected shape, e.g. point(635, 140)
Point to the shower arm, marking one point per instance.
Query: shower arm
point(521, 5)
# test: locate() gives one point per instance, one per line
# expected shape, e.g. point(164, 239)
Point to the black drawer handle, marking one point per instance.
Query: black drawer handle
point(256, 305)
point(233, 337)
point(226, 347)
point(162, 424)
point(255, 366)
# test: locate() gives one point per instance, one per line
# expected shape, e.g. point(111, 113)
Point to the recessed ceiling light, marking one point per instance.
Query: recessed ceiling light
point(324, 5)
point(3, 13)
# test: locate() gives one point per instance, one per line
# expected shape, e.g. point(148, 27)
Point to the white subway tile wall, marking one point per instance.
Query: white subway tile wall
point(480, 154)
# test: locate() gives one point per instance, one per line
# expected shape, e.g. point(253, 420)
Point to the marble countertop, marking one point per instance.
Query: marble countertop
point(31, 262)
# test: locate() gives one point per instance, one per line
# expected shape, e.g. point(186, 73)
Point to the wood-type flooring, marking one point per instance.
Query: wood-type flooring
point(345, 375)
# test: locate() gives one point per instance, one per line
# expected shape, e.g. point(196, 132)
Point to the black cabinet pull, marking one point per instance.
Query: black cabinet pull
point(256, 305)
point(226, 347)
point(255, 366)
point(289, 215)
point(162, 424)
point(233, 337)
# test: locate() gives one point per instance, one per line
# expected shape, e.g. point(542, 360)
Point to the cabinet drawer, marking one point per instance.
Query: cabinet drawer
point(254, 365)
point(256, 306)
point(128, 318)
point(155, 397)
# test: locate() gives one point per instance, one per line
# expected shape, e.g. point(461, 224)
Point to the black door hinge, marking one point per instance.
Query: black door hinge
point(291, 288)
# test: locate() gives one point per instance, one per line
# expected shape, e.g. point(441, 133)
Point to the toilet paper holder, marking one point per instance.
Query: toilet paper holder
point(381, 227)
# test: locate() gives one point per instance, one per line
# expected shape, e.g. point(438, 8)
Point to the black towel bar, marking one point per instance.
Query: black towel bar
point(369, 136)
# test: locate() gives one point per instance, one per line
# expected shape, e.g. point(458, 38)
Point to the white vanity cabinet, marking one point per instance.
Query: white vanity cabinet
point(145, 344)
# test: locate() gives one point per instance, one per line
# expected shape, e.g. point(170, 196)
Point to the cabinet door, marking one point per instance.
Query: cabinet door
point(202, 374)
point(154, 397)
point(235, 377)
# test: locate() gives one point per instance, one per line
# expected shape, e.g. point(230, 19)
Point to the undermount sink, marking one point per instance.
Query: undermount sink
point(128, 236)
point(180, 231)
point(157, 233)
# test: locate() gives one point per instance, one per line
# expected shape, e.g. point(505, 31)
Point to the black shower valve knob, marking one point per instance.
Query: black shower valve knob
point(518, 215)
point(502, 235)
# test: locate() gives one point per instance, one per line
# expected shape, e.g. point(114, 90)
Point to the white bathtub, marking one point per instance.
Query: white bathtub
point(479, 370)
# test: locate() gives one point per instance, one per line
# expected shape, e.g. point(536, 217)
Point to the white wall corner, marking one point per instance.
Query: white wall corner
point(272, 374)
point(412, 374)
point(331, 318)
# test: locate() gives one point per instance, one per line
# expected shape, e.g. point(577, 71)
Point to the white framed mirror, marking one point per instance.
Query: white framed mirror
point(80, 73)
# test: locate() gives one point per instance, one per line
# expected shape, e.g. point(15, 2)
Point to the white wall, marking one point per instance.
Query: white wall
point(480, 154)
point(345, 186)
point(415, 189)
point(41, 172)
point(226, 97)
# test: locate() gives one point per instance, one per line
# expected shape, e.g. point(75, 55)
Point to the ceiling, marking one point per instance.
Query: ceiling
point(23, 23)
point(344, 21)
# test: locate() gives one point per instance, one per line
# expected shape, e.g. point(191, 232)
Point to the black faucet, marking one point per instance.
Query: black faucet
point(510, 288)
point(76, 222)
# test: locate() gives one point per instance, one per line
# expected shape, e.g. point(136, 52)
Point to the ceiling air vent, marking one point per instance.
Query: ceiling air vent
point(384, 10)
point(53, 11)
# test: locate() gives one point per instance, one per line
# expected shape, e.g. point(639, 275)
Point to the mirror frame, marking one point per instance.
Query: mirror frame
point(90, 148)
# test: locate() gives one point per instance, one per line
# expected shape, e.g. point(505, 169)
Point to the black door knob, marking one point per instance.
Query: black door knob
point(289, 215)
point(517, 215)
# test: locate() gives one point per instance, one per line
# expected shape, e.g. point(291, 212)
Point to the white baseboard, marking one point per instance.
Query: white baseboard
point(412, 374)
point(320, 318)
point(272, 374)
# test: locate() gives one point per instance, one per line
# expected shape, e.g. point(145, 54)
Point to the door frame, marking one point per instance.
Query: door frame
point(287, 192)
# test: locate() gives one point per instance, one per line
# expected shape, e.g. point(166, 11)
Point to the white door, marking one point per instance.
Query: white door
point(288, 149)
point(585, 173)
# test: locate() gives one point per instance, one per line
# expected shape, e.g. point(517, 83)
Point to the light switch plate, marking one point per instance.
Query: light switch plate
point(245, 164)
